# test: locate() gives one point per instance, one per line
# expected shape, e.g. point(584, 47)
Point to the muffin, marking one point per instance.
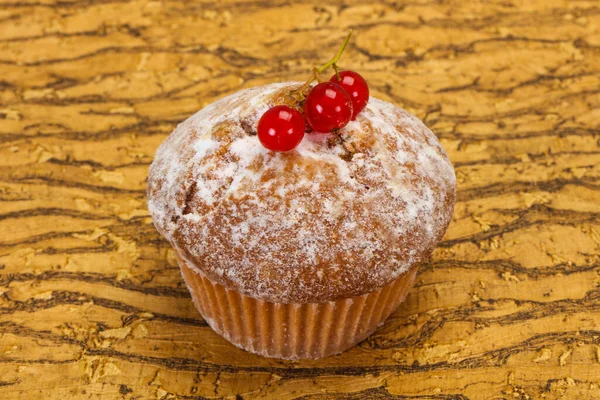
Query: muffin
point(300, 254)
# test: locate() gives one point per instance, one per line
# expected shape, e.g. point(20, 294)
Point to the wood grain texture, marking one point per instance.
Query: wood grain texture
point(91, 301)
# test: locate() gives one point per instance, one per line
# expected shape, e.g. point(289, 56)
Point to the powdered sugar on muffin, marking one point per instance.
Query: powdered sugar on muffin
point(339, 216)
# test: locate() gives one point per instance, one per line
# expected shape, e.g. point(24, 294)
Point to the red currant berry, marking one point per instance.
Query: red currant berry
point(357, 88)
point(327, 107)
point(281, 128)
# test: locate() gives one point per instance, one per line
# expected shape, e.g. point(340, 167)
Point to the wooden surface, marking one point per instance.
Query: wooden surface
point(91, 302)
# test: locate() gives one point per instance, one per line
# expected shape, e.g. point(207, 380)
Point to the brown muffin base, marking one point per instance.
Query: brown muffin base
point(293, 331)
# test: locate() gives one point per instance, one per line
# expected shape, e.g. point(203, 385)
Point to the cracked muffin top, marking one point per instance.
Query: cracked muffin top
point(339, 216)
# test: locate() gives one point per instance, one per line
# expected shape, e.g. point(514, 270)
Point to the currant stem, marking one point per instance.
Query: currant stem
point(317, 76)
point(337, 72)
point(336, 58)
point(322, 68)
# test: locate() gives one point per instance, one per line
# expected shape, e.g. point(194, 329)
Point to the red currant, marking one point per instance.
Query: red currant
point(357, 88)
point(281, 128)
point(327, 107)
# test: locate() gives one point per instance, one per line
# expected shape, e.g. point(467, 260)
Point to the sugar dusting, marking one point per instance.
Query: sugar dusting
point(325, 221)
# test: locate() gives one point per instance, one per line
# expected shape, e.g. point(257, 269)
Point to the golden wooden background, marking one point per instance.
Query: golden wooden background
point(91, 301)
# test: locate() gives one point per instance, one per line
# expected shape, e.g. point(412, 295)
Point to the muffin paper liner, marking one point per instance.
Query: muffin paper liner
point(296, 330)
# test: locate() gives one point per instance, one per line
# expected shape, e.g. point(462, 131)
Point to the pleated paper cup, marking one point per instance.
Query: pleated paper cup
point(297, 330)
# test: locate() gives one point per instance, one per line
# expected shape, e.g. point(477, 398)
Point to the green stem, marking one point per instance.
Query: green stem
point(322, 68)
point(336, 58)
point(317, 76)
point(337, 72)
point(308, 82)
